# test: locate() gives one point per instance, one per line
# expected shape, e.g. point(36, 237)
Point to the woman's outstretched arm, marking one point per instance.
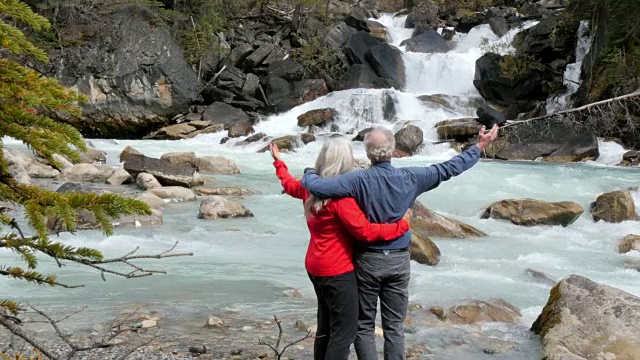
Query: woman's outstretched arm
point(290, 185)
point(359, 226)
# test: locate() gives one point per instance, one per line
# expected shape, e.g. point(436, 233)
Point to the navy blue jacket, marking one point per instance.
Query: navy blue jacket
point(384, 193)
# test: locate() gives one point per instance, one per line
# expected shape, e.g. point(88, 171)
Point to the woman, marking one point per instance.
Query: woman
point(333, 225)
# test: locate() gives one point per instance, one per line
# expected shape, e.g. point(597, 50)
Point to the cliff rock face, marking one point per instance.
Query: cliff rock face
point(132, 71)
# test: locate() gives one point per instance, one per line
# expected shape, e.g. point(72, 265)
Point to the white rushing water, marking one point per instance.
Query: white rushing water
point(245, 264)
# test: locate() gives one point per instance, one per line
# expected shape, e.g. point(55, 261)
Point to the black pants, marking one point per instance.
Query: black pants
point(337, 315)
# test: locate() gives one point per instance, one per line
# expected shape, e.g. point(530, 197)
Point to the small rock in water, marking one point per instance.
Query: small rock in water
point(247, 328)
point(301, 326)
point(214, 322)
point(198, 350)
point(294, 293)
point(540, 276)
point(146, 324)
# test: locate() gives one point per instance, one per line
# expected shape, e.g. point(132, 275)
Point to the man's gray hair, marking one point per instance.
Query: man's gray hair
point(379, 144)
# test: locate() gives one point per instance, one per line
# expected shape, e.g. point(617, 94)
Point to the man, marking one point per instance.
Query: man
point(385, 193)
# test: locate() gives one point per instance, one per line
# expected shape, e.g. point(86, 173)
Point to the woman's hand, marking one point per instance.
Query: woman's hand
point(275, 152)
point(407, 216)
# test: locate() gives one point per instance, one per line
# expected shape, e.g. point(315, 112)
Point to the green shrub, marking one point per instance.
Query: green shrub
point(514, 67)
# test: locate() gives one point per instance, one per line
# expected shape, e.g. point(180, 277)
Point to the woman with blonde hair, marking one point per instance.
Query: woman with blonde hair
point(334, 225)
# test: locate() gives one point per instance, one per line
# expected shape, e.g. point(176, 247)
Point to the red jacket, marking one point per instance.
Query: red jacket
point(333, 229)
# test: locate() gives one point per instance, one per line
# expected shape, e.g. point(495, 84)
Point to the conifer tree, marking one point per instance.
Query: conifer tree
point(27, 98)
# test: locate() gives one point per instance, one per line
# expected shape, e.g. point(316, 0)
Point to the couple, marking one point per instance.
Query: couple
point(359, 247)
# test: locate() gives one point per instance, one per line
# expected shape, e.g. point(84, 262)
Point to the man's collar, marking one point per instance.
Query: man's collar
point(382, 164)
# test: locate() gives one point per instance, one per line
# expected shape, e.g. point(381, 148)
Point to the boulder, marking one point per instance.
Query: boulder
point(193, 119)
point(489, 116)
point(25, 165)
point(240, 128)
point(216, 165)
point(253, 138)
point(63, 161)
point(86, 173)
point(288, 69)
point(495, 310)
point(631, 158)
point(168, 174)
point(499, 25)
point(424, 12)
point(217, 207)
point(424, 251)
point(362, 76)
point(119, 177)
point(221, 113)
point(140, 221)
point(357, 18)
point(316, 117)
point(257, 57)
point(174, 193)
point(147, 181)
point(587, 320)
point(533, 10)
point(387, 62)
point(239, 53)
point(460, 130)
point(540, 277)
point(614, 207)
point(285, 143)
point(223, 191)
point(172, 132)
point(377, 30)
point(358, 45)
point(128, 151)
point(630, 242)
point(465, 23)
point(339, 34)
point(530, 212)
point(551, 39)
point(92, 156)
point(154, 201)
point(180, 158)
point(428, 223)
point(409, 139)
point(284, 95)
point(427, 42)
point(251, 85)
point(361, 134)
point(307, 138)
point(131, 69)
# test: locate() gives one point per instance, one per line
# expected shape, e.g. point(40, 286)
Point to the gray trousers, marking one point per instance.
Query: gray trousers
point(385, 276)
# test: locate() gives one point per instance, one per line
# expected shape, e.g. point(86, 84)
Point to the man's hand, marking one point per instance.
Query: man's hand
point(407, 216)
point(275, 152)
point(485, 138)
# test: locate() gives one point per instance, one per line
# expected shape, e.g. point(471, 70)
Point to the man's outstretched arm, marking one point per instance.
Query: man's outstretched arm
point(337, 186)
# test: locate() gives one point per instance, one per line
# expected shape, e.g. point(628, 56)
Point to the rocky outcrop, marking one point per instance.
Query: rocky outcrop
point(586, 320)
point(216, 165)
point(174, 193)
point(318, 117)
point(551, 39)
point(217, 207)
point(387, 62)
point(223, 191)
point(614, 207)
point(86, 173)
point(530, 212)
point(130, 68)
point(180, 158)
point(424, 251)
point(428, 223)
point(460, 130)
point(284, 95)
point(25, 166)
point(629, 243)
point(358, 45)
point(496, 310)
point(427, 42)
point(409, 139)
point(165, 172)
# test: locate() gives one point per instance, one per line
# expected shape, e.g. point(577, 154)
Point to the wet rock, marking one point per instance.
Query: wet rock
point(387, 62)
point(284, 95)
point(137, 221)
point(361, 134)
point(442, 101)
point(300, 326)
point(214, 322)
point(431, 224)
point(172, 132)
point(586, 320)
point(307, 138)
point(530, 212)
point(551, 39)
point(424, 251)
point(92, 156)
point(216, 165)
point(119, 177)
point(339, 34)
point(377, 30)
point(86, 173)
point(427, 42)
point(496, 310)
point(174, 193)
point(154, 201)
point(614, 207)
point(293, 293)
point(180, 158)
point(223, 191)
point(285, 143)
point(221, 113)
point(362, 76)
point(147, 181)
point(128, 151)
point(409, 139)
point(287, 69)
point(358, 45)
point(489, 116)
point(499, 26)
point(217, 207)
point(629, 243)
point(253, 138)
point(166, 173)
point(540, 277)
point(317, 117)
point(630, 158)
point(468, 22)
point(460, 130)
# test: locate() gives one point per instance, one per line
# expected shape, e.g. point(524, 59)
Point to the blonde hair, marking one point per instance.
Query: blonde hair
point(335, 158)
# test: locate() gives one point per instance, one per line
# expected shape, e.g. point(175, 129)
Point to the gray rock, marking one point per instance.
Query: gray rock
point(174, 193)
point(24, 166)
point(92, 156)
point(253, 138)
point(128, 151)
point(86, 173)
point(427, 42)
point(216, 165)
point(316, 117)
point(172, 132)
point(362, 76)
point(63, 161)
point(287, 69)
point(217, 207)
point(549, 40)
point(137, 221)
point(499, 25)
point(377, 30)
point(409, 139)
point(239, 53)
point(530, 212)
point(154, 201)
point(586, 320)
point(489, 116)
point(339, 34)
point(358, 45)
point(147, 181)
point(496, 310)
point(428, 223)
point(629, 243)
point(361, 134)
point(119, 177)
point(166, 173)
point(357, 18)
point(180, 158)
point(284, 95)
point(251, 85)
point(257, 57)
point(221, 113)
point(533, 9)
point(223, 191)
point(387, 62)
point(424, 251)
